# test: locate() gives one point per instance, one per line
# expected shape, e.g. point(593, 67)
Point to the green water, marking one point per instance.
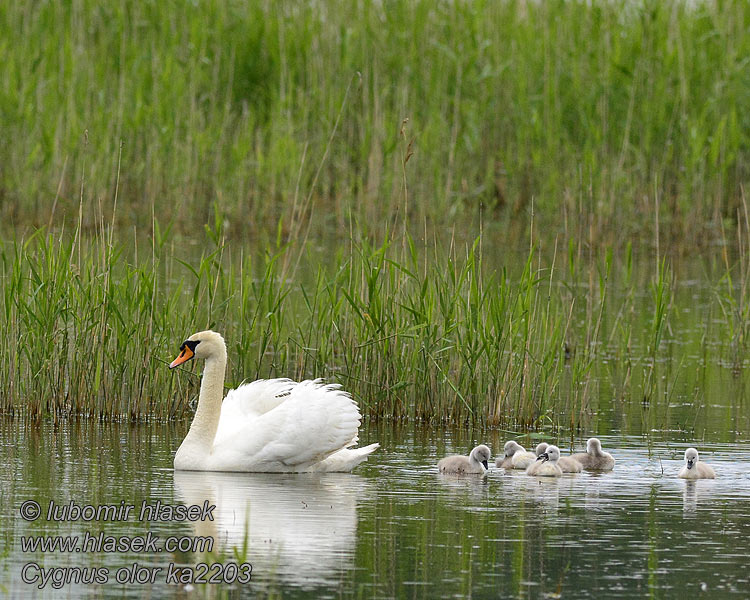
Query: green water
point(394, 527)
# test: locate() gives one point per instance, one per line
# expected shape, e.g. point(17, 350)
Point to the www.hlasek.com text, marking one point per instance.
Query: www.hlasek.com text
point(101, 542)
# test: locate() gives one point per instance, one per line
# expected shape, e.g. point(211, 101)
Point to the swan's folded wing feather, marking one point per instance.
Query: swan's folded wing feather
point(249, 401)
point(311, 423)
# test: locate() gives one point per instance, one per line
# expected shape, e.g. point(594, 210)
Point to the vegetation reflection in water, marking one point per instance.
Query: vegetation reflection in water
point(396, 527)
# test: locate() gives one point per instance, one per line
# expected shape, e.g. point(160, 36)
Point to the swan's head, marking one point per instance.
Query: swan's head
point(204, 344)
point(552, 453)
point(512, 447)
point(594, 446)
point(541, 448)
point(691, 457)
point(481, 454)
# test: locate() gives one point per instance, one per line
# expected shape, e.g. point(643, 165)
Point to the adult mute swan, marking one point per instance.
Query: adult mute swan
point(694, 468)
point(595, 459)
point(476, 462)
point(274, 425)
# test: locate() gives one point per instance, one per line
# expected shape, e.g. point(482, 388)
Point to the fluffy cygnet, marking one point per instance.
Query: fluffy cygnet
point(506, 460)
point(595, 459)
point(516, 457)
point(546, 465)
point(694, 468)
point(567, 464)
point(523, 459)
point(476, 462)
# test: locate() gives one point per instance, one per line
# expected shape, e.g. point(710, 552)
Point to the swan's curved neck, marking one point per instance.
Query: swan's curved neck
point(203, 429)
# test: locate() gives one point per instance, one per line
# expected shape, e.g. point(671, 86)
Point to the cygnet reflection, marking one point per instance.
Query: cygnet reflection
point(690, 498)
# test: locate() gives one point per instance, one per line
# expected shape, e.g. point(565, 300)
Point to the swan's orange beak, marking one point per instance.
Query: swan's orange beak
point(184, 356)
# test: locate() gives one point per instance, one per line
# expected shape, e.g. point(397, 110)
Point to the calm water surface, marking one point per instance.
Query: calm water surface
point(395, 527)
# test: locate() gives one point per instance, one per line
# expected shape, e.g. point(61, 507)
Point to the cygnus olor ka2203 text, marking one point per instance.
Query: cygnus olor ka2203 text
point(274, 425)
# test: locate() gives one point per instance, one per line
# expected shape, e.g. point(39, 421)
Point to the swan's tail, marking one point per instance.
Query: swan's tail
point(346, 459)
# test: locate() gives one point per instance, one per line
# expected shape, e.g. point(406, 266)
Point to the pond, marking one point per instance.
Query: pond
point(393, 528)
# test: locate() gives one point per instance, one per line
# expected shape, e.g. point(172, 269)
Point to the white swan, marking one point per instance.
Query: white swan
point(515, 456)
point(277, 425)
point(694, 468)
point(595, 459)
point(567, 464)
point(476, 462)
point(546, 465)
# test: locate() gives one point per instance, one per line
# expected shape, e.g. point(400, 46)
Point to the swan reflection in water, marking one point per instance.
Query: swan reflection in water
point(301, 526)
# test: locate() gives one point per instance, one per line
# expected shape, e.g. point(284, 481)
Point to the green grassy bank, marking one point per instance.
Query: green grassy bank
point(606, 112)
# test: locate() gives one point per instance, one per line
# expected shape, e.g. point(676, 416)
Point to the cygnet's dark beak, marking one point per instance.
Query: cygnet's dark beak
point(544, 457)
point(484, 462)
point(690, 463)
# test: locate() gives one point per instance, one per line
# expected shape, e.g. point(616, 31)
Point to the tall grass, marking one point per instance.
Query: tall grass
point(415, 333)
point(95, 330)
point(269, 110)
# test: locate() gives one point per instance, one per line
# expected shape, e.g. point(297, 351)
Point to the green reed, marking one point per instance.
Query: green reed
point(272, 110)
point(733, 290)
point(414, 333)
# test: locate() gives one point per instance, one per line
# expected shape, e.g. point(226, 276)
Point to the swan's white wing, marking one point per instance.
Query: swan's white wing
point(307, 424)
point(249, 401)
